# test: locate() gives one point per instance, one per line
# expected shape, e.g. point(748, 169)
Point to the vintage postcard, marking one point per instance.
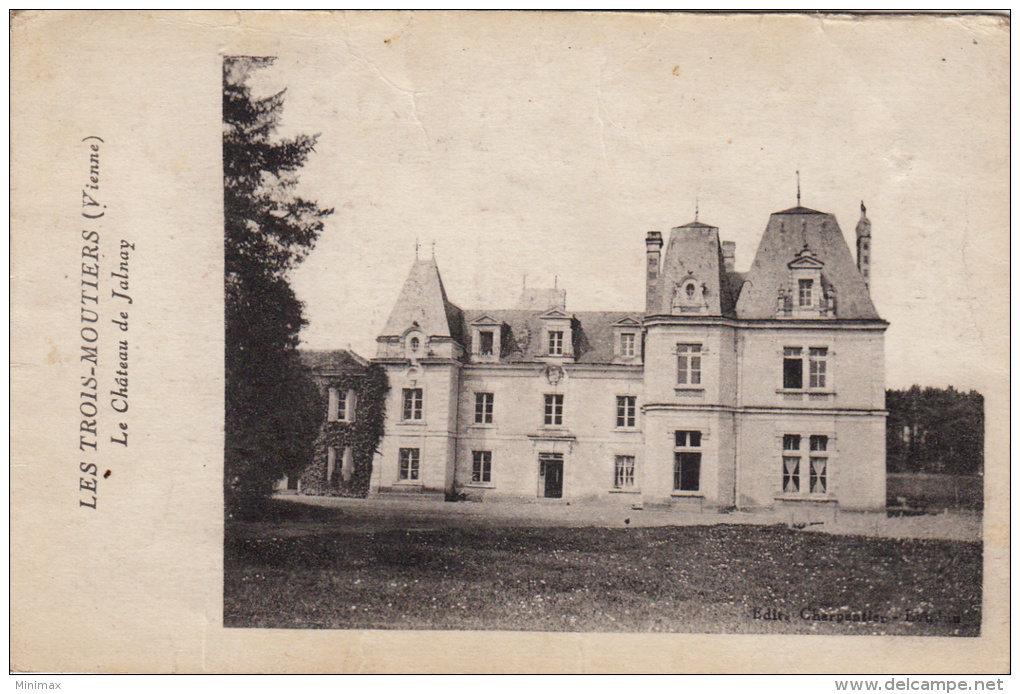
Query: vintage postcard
point(509, 342)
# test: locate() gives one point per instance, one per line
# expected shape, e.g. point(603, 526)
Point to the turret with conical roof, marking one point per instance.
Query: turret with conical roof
point(423, 313)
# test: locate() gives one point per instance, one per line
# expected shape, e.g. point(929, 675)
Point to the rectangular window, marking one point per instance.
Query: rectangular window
point(688, 365)
point(409, 460)
point(554, 410)
point(627, 344)
point(816, 359)
point(341, 408)
point(791, 464)
point(688, 439)
point(485, 342)
point(412, 404)
point(793, 368)
point(555, 342)
point(818, 475)
point(483, 407)
point(481, 466)
point(623, 476)
point(819, 463)
point(687, 461)
point(804, 293)
point(626, 411)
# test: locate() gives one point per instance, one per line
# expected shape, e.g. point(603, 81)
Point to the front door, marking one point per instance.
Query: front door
point(550, 470)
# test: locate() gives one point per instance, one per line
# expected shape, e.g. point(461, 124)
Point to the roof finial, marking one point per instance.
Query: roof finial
point(416, 244)
point(525, 282)
point(864, 210)
point(556, 281)
point(798, 189)
point(696, 209)
point(433, 250)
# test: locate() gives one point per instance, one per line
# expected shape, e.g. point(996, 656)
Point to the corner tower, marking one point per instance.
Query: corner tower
point(421, 349)
point(689, 373)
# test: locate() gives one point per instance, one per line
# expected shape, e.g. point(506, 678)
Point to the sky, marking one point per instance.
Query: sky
point(547, 145)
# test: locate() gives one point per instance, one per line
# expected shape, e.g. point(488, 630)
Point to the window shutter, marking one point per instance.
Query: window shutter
point(348, 463)
point(351, 400)
point(334, 402)
point(330, 464)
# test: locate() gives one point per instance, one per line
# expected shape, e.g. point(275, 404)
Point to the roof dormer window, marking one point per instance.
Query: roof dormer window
point(414, 344)
point(486, 339)
point(627, 340)
point(689, 297)
point(555, 343)
point(804, 294)
point(485, 343)
point(558, 334)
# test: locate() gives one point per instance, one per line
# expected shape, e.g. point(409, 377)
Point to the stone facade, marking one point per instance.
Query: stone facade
point(344, 448)
point(731, 390)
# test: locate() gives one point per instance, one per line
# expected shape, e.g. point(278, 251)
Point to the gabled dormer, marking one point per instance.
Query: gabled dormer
point(557, 335)
point(627, 340)
point(805, 295)
point(486, 339)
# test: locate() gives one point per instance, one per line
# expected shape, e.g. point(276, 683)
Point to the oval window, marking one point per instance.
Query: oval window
point(414, 344)
point(689, 290)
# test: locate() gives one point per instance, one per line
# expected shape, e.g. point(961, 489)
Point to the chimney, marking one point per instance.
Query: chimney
point(653, 244)
point(729, 255)
point(864, 246)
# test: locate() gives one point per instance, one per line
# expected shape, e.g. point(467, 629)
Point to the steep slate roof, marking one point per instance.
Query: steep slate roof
point(423, 301)
point(786, 234)
point(593, 333)
point(333, 360)
point(694, 250)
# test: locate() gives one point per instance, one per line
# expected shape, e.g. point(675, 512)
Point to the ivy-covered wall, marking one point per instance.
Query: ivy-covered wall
point(362, 435)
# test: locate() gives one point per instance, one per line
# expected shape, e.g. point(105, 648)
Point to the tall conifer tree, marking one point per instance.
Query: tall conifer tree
point(271, 410)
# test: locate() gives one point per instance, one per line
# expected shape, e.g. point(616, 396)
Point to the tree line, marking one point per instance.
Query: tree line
point(935, 430)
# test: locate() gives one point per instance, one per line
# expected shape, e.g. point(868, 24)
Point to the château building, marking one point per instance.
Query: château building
point(730, 390)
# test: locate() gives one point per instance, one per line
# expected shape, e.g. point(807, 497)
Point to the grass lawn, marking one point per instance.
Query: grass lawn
point(720, 578)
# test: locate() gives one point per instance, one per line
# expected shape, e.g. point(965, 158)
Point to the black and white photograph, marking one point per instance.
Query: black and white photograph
point(555, 335)
point(510, 342)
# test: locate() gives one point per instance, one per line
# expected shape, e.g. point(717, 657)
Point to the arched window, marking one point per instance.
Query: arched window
point(689, 291)
point(414, 344)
